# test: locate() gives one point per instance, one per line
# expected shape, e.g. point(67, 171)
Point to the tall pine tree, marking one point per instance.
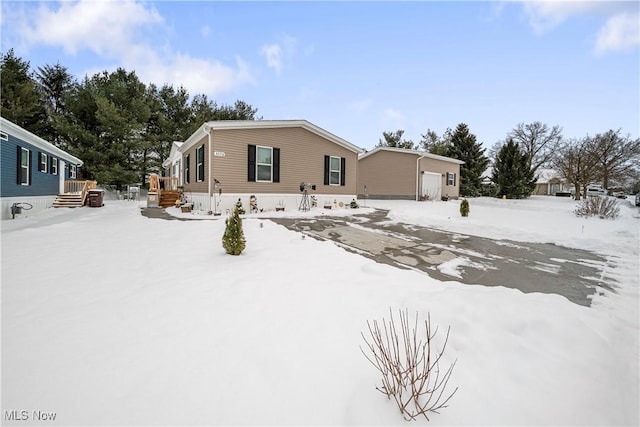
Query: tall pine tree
point(21, 101)
point(512, 173)
point(464, 147)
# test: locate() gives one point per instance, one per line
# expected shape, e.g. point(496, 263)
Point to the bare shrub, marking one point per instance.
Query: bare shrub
point(409, 366)
point(601, 206)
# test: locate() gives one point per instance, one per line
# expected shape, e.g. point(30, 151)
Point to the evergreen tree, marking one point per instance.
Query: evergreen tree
point(233, 240)
point(20, 99)
point(394, 139)
point(464, 207)
point(434, 144)
point(464, 147)
point(55, 84)
point(512, 173)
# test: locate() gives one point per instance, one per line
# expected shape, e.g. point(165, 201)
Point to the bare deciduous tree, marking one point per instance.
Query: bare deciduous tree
point(538, 141)
point(616, 156)
point(575, 161)
point(409, 365)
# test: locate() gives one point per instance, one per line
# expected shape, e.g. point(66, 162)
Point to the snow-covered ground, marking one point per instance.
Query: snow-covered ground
point(112, 318)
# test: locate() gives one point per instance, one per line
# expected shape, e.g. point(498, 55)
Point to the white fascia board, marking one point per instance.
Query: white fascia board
point(412, 152)
point(266, 124)
point(26, 136)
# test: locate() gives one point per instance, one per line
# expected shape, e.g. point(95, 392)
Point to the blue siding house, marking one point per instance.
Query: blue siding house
point(33, 170)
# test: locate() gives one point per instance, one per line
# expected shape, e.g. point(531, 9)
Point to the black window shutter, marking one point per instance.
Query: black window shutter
point(276, 165)
point(40, 162)
point(454, 179)
point(29, 170)
point(50, 165)
point(251, 167)
point(326, 170)
point(19, 165)
point(187, 162)
point(343, 170)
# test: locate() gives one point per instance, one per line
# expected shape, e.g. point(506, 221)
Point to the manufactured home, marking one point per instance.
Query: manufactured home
point(34, 171)
point(272, 160)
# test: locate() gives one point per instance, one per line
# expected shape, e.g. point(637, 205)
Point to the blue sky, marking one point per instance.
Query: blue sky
point(360, 68)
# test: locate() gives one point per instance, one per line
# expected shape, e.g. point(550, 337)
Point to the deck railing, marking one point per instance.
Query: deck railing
point(79, 187)
point(169, 183)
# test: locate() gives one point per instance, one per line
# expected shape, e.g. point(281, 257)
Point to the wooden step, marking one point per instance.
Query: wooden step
point(68, 201)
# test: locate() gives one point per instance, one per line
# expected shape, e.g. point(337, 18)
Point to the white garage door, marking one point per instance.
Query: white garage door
point(431, 186)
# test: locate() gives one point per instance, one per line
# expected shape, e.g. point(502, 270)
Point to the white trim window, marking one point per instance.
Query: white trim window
point(4, 136)
point(72, 171)
point(451, 178)
point(54, 166)
point(43, 162)
point(25, 173)
point(264, 164)
point(200, 163)
point(334, 170)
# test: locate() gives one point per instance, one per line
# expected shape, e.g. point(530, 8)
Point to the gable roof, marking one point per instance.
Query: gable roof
point(266, 124)
point(33, 139)
point(175, 147)
point(412, 152)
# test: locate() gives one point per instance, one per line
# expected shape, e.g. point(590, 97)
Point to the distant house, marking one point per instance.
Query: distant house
point(549, 183)
point(34, 171)
point(268, 159)
point(397, 173)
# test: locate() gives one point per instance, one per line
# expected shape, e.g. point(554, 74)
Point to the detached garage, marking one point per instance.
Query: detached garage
point(398, 173)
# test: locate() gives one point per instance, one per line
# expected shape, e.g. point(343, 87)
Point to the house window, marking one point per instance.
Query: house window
point(176, 169)
point(334, 171)
point(42, 163)
point(4, 136)
point(187, 162)
point(200, 164)
point(264, 163)
point(72, 171)
point(451, 178)
point(24, 177)
point(54, 166)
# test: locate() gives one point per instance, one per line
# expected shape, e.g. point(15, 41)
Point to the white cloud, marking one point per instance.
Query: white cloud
point(106, 28)
point(621, 33)
point(546, 15)
point(115, 30)
point(281, 52)
point(273, 55)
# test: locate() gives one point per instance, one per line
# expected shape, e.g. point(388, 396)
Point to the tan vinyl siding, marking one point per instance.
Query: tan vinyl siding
point(301, 160)
point(388, 174)
point(193, 186)
point(438, 166)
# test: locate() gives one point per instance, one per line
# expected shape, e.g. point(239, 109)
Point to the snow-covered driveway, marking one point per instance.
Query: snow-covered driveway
point(111, 318)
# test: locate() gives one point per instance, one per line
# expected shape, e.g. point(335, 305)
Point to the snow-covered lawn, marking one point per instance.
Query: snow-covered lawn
point(112, 318)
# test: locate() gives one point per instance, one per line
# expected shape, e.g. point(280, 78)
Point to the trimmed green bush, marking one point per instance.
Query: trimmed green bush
point(464, 207)
point(233, 240)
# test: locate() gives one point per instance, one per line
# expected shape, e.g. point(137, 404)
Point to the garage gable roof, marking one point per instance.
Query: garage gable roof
point(411, 152)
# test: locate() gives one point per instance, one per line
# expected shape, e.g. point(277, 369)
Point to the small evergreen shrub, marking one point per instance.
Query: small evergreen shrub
point(233, 240)
point(464, 207)
point(600, 206)
point(354, 204)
